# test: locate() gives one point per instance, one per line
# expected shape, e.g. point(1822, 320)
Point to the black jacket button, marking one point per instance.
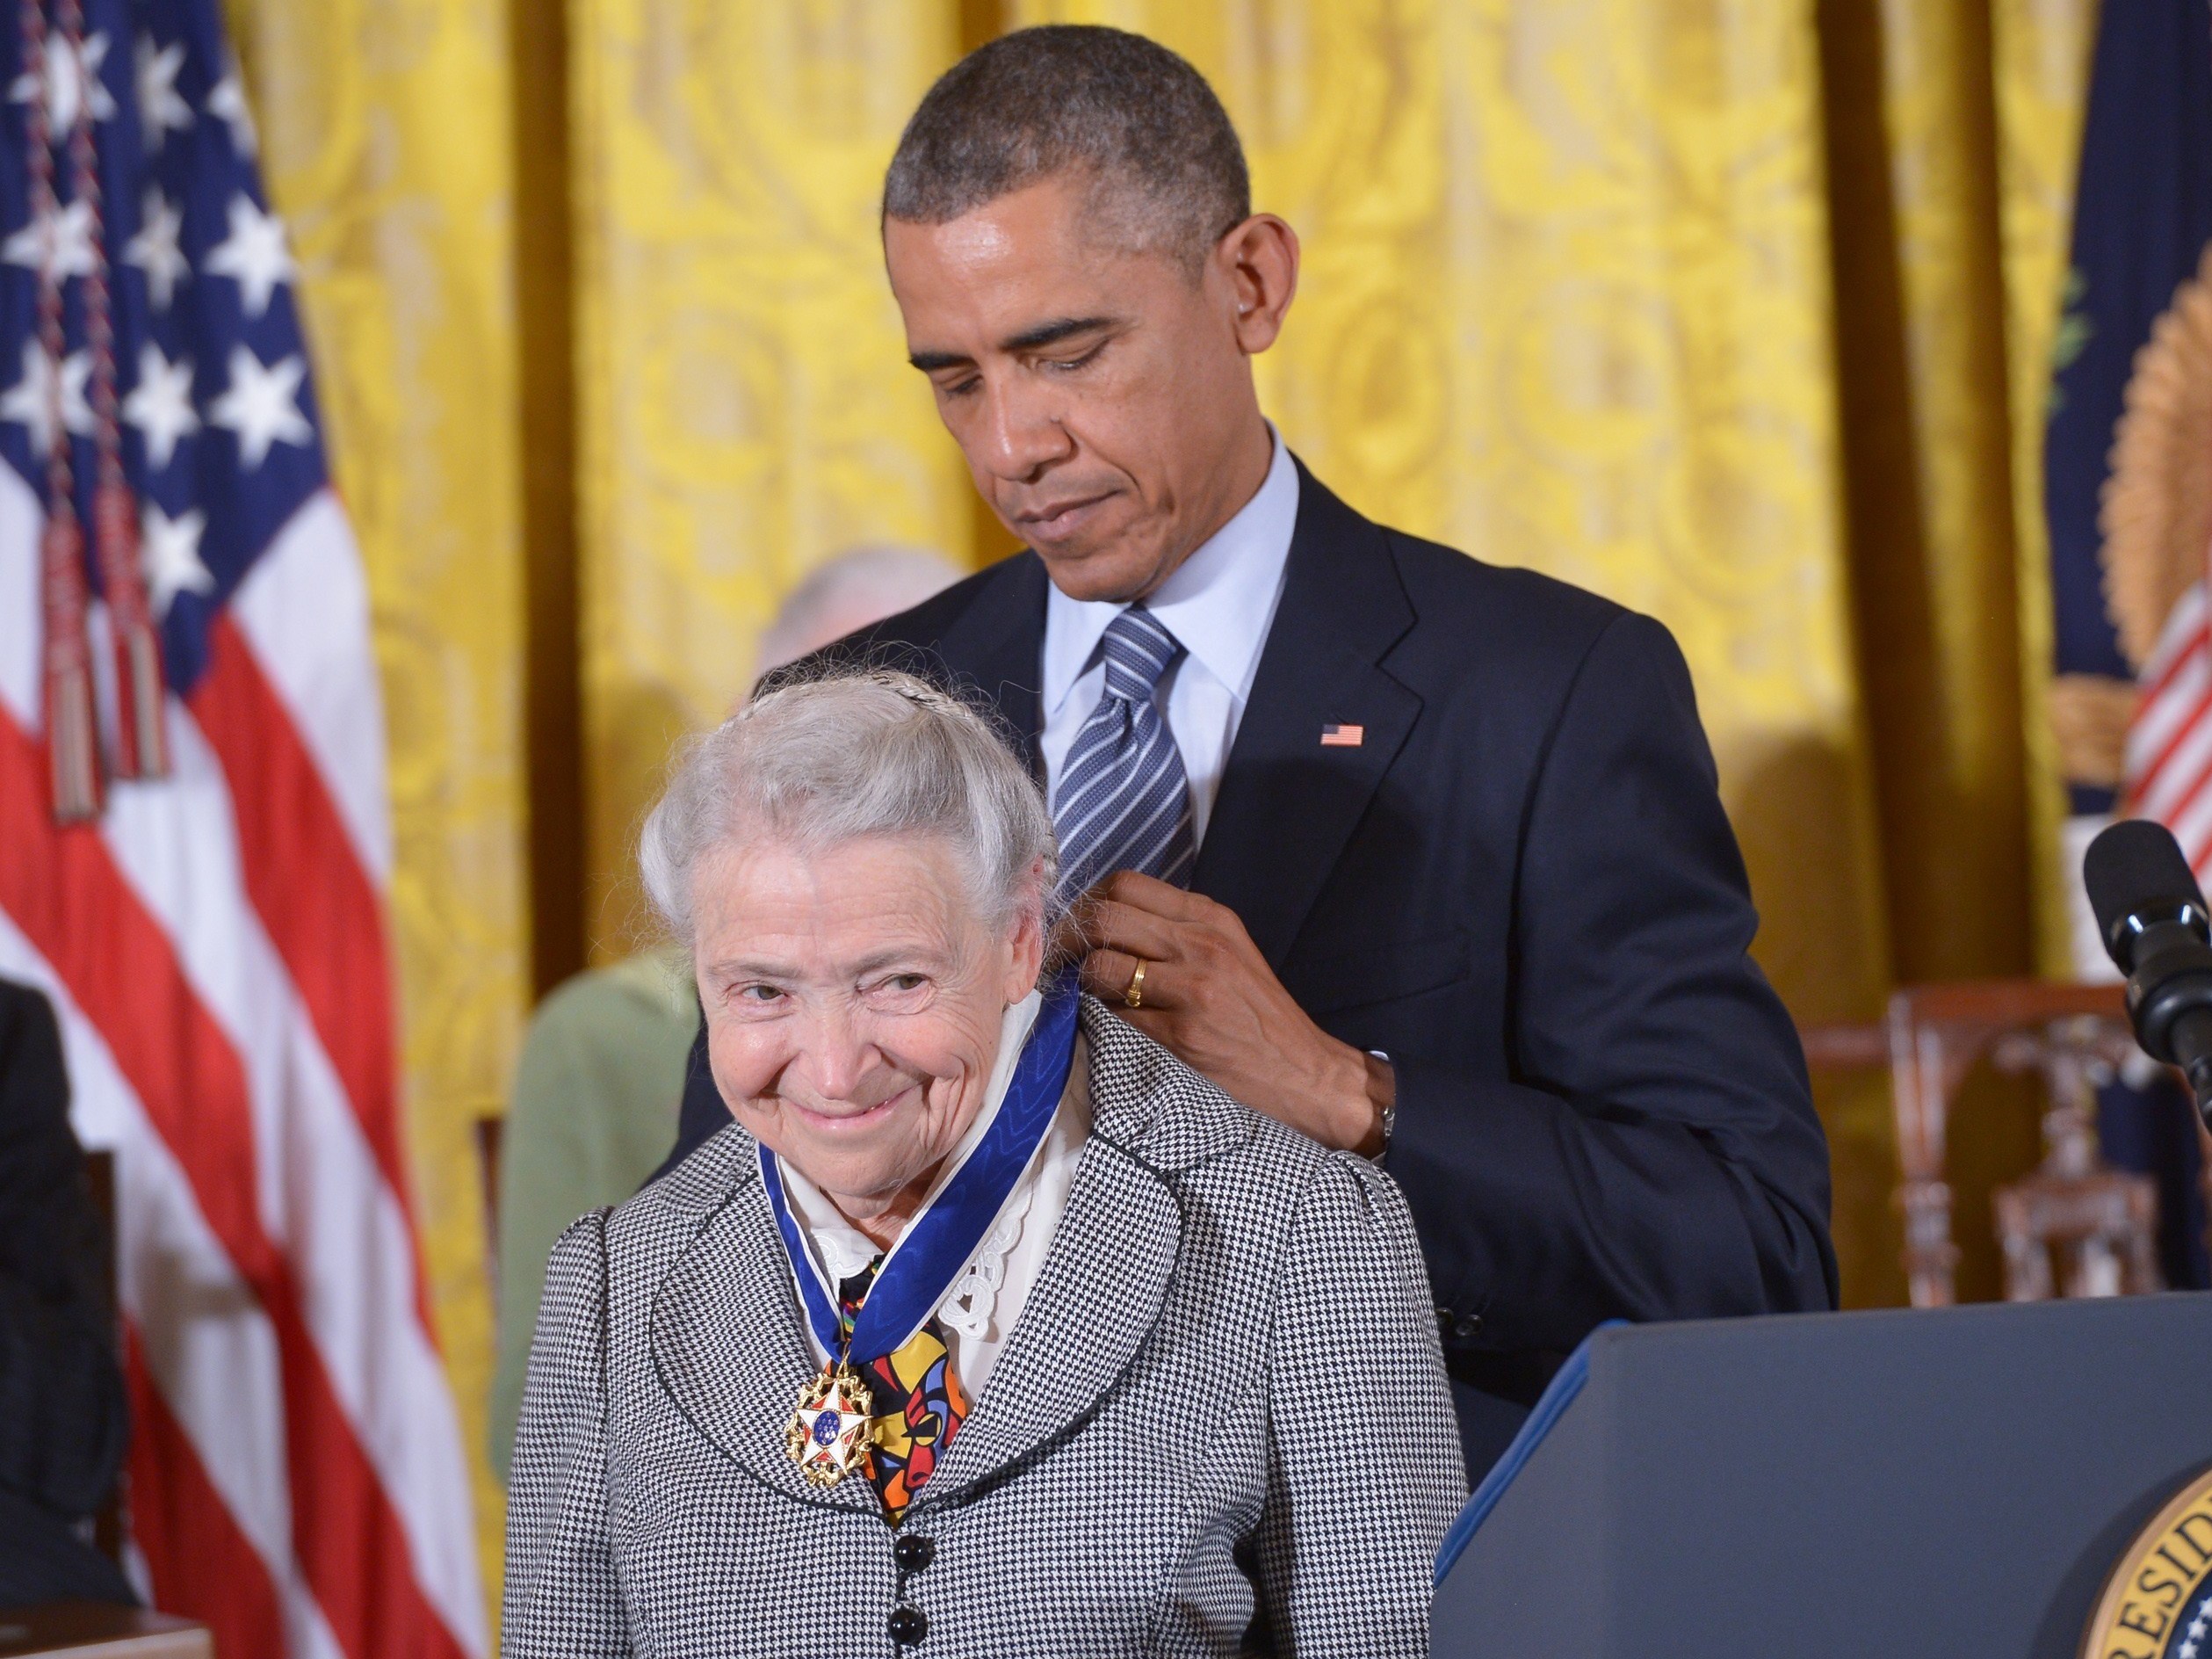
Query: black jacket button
point(1468, 1328)
point(909, 1625)
point(913, 1551)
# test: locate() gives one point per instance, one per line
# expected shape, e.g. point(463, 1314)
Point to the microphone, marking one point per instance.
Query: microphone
point(2151, 914)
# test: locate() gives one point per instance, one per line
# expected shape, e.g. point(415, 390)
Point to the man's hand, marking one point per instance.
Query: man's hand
point(1210, 998)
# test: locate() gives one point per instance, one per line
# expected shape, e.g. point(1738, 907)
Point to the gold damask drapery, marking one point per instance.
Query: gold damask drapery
point(744, 400)
point(1736, 310)
point(384, 130)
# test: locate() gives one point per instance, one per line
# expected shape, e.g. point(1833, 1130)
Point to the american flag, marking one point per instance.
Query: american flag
point(2169, 755)
point(210, 925)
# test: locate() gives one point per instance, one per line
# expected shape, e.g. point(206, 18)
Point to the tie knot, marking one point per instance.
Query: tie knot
point(1138, 650)
point(851, 1292)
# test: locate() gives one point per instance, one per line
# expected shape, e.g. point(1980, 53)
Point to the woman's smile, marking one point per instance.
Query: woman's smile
point(844, 1117)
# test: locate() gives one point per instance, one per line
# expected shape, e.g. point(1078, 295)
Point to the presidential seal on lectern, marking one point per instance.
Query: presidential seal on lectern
point(2158, 1604)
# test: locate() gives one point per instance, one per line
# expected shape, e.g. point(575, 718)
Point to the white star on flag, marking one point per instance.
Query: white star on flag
point(254, 255)
point(161, 404)
point(261, 405)
point(70, 81)
point(61, 240)
point(162, 109)
point(155, 250)
point(29, 403)
point(227, 102)
point(171, 552)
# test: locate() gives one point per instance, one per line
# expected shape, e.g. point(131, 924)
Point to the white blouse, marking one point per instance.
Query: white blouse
point(987, 1296)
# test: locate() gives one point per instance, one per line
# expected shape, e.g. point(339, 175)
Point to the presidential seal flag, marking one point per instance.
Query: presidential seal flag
point(194, 850)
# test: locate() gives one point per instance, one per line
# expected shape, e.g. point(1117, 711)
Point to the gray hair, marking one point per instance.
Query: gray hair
point(1067, 96)
point(824, 757)
point(849, 591)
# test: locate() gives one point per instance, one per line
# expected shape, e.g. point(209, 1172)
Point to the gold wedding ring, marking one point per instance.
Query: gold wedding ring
point(1134, 996)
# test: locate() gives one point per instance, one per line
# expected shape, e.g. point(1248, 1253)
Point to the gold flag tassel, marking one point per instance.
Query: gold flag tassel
point(71, 712)
point(142, 749)
point(141, 744)
point(72, 725)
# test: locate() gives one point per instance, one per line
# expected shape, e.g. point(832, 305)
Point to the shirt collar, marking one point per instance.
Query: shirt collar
point(1218, 602)
point(842, 1249)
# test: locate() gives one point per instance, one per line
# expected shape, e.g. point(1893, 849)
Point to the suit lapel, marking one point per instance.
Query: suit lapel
point(1287, 805)
point(1100, 1292)
point(1105, 1279)
point(728, 1349)
point(997, 645)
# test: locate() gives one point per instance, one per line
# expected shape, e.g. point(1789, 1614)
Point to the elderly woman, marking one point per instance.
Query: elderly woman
point(987, 1328)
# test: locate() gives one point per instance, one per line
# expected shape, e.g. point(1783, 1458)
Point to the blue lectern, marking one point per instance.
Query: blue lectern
point(1955, 1481)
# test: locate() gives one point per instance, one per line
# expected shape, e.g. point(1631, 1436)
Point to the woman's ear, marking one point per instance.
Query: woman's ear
point(1028, 941)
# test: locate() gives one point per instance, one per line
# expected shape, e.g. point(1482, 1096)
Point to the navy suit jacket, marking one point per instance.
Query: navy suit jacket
point(63, 1421)
point(1521, 887)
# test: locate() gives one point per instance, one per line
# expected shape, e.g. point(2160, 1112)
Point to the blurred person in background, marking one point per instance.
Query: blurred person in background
point(63, 1421)
point(601, 1073)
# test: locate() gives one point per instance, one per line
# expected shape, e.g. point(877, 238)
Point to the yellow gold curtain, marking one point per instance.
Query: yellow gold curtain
point(1951, 127)
point(1735, 310)
point(744, 403)
point(2042, 52)
point(1922, 383)
point(384, 130)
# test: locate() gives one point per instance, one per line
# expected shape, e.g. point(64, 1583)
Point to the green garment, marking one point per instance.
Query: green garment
point(596, 1096)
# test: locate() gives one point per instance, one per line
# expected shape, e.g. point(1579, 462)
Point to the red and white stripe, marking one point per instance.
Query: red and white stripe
point(216, 949)
point(2169, 754)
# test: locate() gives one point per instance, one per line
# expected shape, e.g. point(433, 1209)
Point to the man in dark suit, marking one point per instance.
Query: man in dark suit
point(1422, 857)
point(63, 1419)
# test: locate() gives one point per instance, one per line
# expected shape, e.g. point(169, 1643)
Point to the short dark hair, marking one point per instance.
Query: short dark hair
point(1067, 96)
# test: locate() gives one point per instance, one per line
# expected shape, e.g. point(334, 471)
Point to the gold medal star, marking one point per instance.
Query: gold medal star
point(830, 1430)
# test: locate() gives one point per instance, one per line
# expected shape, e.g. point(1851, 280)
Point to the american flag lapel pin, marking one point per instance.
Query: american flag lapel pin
point(1335, 736)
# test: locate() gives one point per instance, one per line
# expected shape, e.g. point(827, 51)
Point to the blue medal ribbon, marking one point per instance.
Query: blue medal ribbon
point(939, 1242)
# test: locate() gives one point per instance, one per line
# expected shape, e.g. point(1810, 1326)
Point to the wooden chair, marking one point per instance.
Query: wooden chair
point(2073, 1036)
point(2101, 1223)
point(1845, 1047)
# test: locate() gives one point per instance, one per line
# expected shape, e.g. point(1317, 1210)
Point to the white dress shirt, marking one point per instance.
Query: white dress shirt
point(1220, 604)
point(991, 1291)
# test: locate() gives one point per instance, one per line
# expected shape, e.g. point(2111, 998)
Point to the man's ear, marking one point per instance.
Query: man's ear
point(1259, 260)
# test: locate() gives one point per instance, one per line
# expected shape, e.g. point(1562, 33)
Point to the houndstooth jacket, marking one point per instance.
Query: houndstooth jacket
point(1220, 1425)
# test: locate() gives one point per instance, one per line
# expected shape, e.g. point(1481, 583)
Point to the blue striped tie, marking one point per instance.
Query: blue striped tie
point(1124, 802)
